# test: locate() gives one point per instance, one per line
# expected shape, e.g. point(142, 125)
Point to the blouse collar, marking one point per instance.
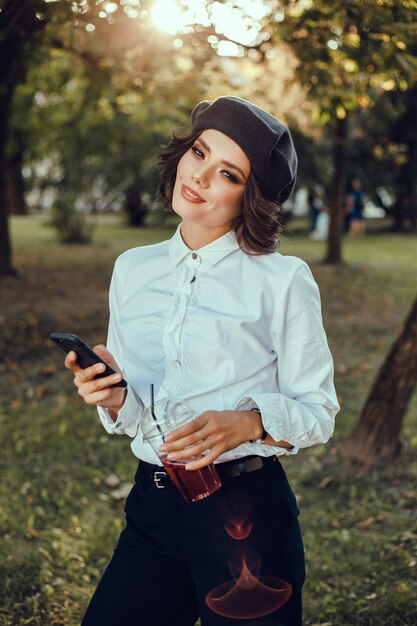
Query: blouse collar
point(209, 255)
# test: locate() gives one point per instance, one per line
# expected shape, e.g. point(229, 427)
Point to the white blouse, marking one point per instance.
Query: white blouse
point(219, 329)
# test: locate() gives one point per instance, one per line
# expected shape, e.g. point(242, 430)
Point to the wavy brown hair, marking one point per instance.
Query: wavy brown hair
point(256, 226)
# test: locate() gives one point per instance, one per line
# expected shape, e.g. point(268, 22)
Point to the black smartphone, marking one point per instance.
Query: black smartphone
point(85, 355)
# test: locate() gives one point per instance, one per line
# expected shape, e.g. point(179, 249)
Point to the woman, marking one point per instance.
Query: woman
point(216, 318)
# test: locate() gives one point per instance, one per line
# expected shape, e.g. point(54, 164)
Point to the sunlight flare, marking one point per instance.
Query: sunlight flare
point(168, 16)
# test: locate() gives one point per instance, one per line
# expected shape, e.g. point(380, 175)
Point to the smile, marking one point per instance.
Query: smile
point(190, 195)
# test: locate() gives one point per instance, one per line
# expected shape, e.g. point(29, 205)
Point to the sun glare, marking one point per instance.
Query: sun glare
point(167, 15)
point(238, 21)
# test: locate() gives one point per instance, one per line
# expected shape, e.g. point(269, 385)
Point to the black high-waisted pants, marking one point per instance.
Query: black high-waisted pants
point(172, 555)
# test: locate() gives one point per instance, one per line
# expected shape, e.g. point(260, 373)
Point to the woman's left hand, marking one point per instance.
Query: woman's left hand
point(215, 431)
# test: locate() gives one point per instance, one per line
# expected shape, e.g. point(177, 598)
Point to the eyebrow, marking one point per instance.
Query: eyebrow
point(235, 167)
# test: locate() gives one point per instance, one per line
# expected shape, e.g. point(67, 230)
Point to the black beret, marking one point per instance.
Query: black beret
point(265, 140)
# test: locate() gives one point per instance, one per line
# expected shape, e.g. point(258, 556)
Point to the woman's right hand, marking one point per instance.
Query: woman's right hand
point(99, 391)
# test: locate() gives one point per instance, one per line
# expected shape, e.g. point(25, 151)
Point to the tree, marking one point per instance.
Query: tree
point(31, 32)
point(111, 38)
point(385, 138)
point(404, 134)
point(91, 141)
point(349, 52)
point(376, 436)
point(19, 25)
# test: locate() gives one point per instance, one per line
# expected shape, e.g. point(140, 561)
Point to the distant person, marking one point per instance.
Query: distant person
point(354, 221)
point(321, 231)
point(214, 317)
point(316, 204)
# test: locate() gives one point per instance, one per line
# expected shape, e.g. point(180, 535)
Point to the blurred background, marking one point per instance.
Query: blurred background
point(89, 92)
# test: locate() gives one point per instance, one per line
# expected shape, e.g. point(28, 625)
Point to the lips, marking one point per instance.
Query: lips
point(190, 195)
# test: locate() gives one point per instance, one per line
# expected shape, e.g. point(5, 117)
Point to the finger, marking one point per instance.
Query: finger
point(98, 384)
point(195, 426)
point(203, 461)
point(89, 373)
point(187, 441)
point(100, 398)
point(189, 451)
point(179, 444)
point(106, 356)
point(109, 397)
point(71, 362)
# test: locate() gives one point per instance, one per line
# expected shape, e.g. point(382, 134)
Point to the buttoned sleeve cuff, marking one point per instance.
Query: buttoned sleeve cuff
point(129, 417)
point(247, 403)
point(288, 419)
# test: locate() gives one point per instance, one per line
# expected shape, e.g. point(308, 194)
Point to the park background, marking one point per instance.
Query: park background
point(89, 90)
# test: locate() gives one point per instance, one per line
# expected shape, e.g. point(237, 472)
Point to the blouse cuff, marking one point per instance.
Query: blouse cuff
point(300, 424)
point(128, 419)
point(247, 403)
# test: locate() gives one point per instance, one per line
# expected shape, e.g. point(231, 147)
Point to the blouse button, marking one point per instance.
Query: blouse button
point(194, 255)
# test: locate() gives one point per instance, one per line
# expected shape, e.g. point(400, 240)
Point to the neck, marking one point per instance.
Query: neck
point(196, 237)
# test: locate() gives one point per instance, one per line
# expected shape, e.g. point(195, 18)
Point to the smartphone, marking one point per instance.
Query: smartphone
point(85, 355)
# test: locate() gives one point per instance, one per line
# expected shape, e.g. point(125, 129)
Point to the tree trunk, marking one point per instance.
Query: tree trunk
point(334, 254)
point(15, 186)
point(404, 131)
point(135, 208)
point(18, 25)
point(5, 242)
point(376, 436)
point(398, 216)
point(5, 249)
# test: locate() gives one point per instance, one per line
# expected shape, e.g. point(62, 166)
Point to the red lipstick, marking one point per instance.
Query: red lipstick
point(190, 195)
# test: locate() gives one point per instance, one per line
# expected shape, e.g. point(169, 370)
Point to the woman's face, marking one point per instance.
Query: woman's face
point(210, 182)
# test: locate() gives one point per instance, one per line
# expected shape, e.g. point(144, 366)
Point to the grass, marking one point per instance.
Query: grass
point(58, 518)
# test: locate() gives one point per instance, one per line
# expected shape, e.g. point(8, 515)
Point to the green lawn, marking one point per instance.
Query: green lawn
point(58, 518)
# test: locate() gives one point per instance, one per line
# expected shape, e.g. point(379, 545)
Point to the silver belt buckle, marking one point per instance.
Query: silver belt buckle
point(157, 477)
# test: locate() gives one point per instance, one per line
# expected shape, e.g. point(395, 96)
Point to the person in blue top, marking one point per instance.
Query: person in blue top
point(216, 318)
point(354, 223)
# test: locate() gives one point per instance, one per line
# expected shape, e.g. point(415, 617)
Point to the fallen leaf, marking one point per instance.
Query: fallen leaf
point(370, 521)
point(409, 494)
point(16, 404)
point(122, 492)
point(325, 481)
point(48, 370)
point(112, 480)
point(33, 532)
point(40, 392)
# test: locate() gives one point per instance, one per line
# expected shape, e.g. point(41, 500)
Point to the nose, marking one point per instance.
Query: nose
point(201, 176)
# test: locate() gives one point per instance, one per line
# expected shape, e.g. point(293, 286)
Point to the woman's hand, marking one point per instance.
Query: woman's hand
point(99, 391)
point(216, 431)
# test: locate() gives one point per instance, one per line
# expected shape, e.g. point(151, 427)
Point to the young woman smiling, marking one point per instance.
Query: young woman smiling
point(209, 187)
point(215, 317)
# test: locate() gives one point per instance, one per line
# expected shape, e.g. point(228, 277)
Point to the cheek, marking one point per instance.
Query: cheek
point(179, 175)
point(233, 201)
point(183, 164)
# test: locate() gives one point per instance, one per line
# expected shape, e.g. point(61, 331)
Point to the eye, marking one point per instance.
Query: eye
point(197, 152)
point(230, 176)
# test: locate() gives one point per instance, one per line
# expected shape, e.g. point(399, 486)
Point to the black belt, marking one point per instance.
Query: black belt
point(229, 469)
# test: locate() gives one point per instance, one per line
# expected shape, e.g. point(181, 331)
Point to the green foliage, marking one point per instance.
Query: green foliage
point(351, 51)
point(383, 143)
point(87, 143)
point(102, 92)
point(71, 224)
point(348, 53)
